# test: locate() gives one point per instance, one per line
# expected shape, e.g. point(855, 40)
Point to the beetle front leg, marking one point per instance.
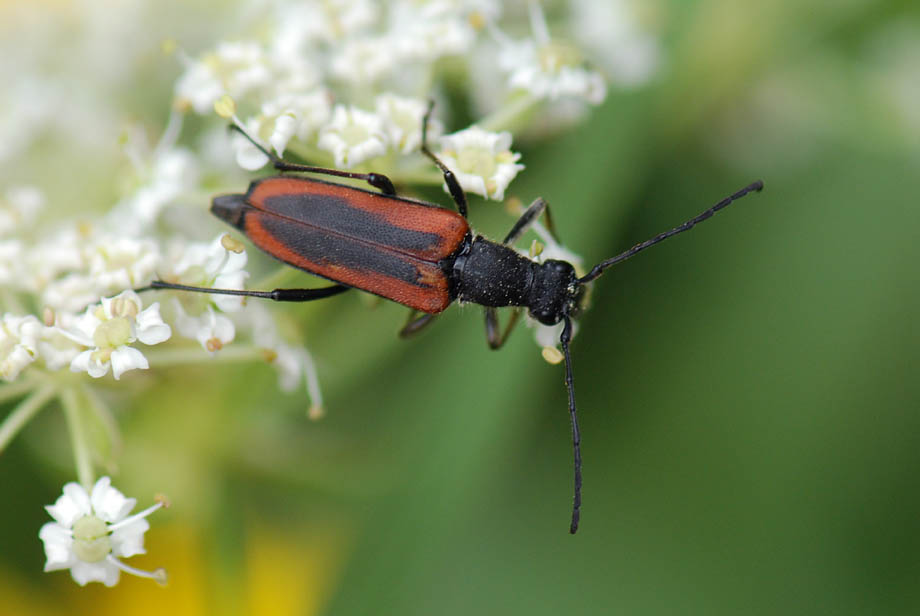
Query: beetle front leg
point(528, 218)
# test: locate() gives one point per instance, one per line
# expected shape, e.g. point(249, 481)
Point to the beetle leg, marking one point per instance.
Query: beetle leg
point(377, 180)
point(415, 323)
point(449, 178)
point(278, 295)
point(494, 336)
point(530, 216)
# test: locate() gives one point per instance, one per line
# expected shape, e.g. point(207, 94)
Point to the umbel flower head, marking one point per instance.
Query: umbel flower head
point(482, 160)
point(92, 531)
point(109, 328)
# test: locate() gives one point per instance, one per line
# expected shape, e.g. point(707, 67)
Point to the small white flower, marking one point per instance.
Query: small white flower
point(365, 60)
point(296, 115)
point(483, 161)
point(426, 30)
point(18, 344)
point(172, 172)
point(282, 119)
point(305, 25)
point(613, 29)
point(199, 86)
point(19, 207)
point(213, 331)
point(548, 68)
point(92, 531)
point(403, 121)
point(105, 264)
point(248, 156)
point(109, 328)
point(353, 136)
point(70, 293)
point(233, 68)
point(294, 364)
point(57, 253)
point(122, 263)
point(218, 264)
point(56, 349)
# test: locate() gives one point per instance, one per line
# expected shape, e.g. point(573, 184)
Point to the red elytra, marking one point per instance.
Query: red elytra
point(389, 246)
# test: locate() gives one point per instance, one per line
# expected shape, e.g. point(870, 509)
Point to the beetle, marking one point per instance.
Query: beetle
point(415, 253)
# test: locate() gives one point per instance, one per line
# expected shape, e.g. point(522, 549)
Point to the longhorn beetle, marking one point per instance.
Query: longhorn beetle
point(412, 252)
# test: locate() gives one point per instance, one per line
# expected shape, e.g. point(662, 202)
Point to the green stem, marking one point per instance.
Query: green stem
point(181, 357)
point(21, 415)
point(15, 390)
point(508, 116)
point(104, 414)
point(81, 451)
point(316, 156)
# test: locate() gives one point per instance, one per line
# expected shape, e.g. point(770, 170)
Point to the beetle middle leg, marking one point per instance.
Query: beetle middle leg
point(449, 178)
point(377, 180)
point(494, 336)
point(416, 323)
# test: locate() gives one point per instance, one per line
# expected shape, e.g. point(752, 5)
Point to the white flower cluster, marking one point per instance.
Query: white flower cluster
point(347, 83)
point(82, 276)
point(67, 273)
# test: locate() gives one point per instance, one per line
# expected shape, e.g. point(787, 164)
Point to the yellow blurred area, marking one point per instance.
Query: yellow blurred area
point(286, 574)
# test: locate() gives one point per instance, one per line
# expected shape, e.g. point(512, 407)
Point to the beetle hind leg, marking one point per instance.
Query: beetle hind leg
point(494, 335)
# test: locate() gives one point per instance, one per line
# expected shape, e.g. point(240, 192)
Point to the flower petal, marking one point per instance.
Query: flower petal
point(109, 504)
point(71, 506)
point(84, 362)
point(129, 540)
point(84, 572)
point(249, 157)
point(58, 542)
point(126, 358)
point(150, 326)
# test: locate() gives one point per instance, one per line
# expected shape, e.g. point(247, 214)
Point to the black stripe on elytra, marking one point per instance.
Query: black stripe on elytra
point(325, 248)
point(338, 216)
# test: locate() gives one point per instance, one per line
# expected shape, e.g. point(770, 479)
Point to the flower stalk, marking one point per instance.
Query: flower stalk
point(24, 412)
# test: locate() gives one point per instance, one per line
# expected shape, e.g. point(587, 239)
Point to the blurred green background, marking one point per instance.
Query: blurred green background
point(748, 392)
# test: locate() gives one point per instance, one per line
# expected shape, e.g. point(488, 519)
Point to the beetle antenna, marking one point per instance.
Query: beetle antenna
point(564, 340)
point(598, 269)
